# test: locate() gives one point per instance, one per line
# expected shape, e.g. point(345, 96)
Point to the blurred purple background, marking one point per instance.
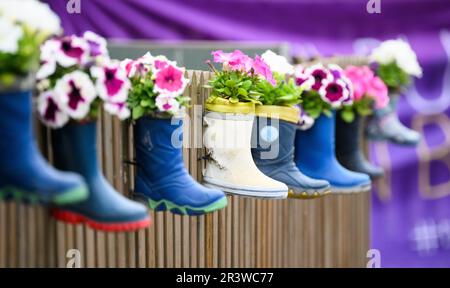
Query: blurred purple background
point(411, 207)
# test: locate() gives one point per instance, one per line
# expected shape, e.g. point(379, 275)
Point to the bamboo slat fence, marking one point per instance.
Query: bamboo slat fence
point(328, 232)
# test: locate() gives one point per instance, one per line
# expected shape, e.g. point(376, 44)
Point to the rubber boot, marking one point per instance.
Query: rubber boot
point(162, 179)
point(385, 125)
point(349, 150)
point(24, 174)
point(315, 156)
point(75, 149)
point(278, 136)
point(230, 166)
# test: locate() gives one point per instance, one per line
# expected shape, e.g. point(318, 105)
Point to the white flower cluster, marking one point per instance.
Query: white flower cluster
point(81, 71)
point(32, 14)
point(400, 52)
point(278, 63)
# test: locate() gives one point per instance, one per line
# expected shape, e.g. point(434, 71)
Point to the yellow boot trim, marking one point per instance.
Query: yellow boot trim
point(290, 114)
point(222, 105)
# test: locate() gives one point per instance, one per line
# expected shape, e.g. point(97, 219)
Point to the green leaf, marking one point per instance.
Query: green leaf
point(242, 92)
point(234, 100)
point(138, 112)
point(348, 115)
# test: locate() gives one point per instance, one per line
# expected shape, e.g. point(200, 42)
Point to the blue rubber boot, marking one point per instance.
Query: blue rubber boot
point(75, 149)
point(385, 125)
point(315, 156)
point(24, 174)
point(281, 166)
point(162, 180)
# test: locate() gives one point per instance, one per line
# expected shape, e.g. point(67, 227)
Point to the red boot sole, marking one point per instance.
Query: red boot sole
point(74, 218)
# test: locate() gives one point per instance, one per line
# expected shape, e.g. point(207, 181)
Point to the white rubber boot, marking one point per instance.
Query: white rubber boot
point(230, 166)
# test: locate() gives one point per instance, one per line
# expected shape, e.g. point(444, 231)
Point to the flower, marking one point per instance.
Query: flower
point(48, 59)
point(261, 68)
point(97, 44)
point(303, 80)
point(400, 52)
point(170, 80)
point(360, 78)
point(320, 74)
point(119, 109)
point(334, 92)
point(167, 103)
point(35, 15)
point(112, 83)
point(379, 91)
point(50, 111)
point(75, 92)
point(277, 63)
point(10, 35)
point(72, 50)
point(305, 121)
point(365, 83)
point(336, 71)
point(236, 60)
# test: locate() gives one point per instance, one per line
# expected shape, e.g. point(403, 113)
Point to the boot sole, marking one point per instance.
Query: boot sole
point(166, 205)
point(248, 193)
point(74, 219)
point(351, 190)
point(308, 194)
point(69, 197)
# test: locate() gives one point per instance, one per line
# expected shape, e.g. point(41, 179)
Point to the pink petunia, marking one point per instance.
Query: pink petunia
point(379, 91)
point(261, 68)
point(170, 80)
point(235, 60)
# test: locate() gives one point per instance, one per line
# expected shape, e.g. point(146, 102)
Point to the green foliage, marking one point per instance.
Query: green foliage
point(393, 76)
point(314, 105)
point(285, 93)
point(26, 59)
point(236, 86)
point(363, 107)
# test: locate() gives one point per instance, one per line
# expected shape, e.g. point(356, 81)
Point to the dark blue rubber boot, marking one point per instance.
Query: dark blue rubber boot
point(162, 180)
point(281, 166)
point(315, 156)
point(24, 174)
point(349, 150)
point(75, 149)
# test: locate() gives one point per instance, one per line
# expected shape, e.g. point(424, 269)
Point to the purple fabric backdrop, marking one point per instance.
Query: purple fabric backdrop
point(411, 208)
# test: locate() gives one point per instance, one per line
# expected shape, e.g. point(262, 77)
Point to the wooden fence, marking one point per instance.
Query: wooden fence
point(328, 232)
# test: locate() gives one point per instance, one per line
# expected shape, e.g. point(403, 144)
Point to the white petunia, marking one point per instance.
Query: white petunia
point(167, 103)
point(277, 63)
point(10, 35)
point(48, 59)
point(118, 109)
point(50, 111)
point(33, 14)
point(75, 92)
point(112, 82)
point(72, 50)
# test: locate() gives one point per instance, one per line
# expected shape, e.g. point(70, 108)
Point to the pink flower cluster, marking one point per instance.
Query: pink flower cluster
point(365, 83)
point(169, 80)
point(238, 61)
point(330, 82)
point(75, 71)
